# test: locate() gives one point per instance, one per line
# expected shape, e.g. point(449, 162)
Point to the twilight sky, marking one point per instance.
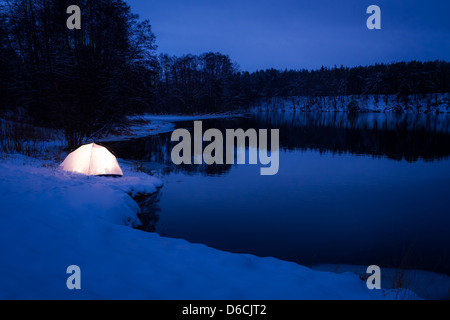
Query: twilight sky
point(296, 34)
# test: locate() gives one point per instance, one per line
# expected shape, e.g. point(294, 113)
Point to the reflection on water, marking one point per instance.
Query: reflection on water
point(352, 188)
point(407, 137)
point(396, 136)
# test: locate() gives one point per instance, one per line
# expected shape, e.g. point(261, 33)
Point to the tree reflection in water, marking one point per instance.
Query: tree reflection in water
point(400, 137)
point(409, 137)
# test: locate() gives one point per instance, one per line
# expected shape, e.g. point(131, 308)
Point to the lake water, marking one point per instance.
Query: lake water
point(352, 189)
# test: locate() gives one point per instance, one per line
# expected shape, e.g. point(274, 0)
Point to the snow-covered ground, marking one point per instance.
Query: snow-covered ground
point(150, 124)
point(51, 219)
point(18, 137)
point(428, 285)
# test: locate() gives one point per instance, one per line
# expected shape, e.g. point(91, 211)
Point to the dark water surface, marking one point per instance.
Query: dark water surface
point(352, 189)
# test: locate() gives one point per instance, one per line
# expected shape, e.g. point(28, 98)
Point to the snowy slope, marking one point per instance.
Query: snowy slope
point(50, 220)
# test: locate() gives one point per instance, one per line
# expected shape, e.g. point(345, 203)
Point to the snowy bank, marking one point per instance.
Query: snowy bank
point(145, 125)
point(51, 219)
point(428, 285)
point(429, 103)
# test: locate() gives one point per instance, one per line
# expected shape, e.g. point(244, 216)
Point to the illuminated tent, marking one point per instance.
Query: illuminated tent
point(92, 160)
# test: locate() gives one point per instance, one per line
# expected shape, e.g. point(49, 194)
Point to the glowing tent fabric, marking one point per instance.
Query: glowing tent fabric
point(92, 160)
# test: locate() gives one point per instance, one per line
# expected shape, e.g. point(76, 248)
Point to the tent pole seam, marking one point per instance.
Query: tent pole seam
point(90, 161)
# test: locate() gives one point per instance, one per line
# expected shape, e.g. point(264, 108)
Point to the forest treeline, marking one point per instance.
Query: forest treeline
point(85, 81)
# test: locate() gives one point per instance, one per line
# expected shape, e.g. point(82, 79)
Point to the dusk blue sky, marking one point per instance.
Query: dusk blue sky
point(296, 34)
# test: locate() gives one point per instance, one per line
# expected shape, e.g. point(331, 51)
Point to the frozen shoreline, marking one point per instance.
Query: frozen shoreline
point(51, 220)
point(141, 126)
